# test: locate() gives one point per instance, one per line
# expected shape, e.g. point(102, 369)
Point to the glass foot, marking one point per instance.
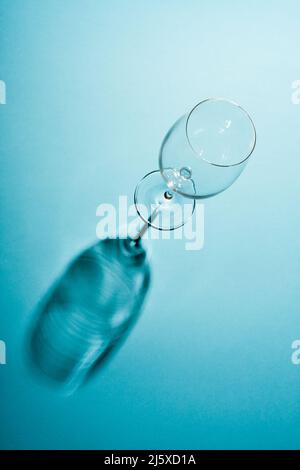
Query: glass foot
point(159, 206)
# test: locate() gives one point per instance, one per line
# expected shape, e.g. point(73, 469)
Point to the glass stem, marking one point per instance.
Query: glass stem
point(143, 229)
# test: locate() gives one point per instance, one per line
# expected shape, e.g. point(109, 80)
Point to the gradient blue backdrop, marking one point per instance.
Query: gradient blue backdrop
point(92, 86)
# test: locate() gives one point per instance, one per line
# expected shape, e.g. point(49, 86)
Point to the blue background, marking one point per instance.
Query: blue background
point(92, 87)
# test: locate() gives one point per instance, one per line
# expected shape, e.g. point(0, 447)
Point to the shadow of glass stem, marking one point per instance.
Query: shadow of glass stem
point(89, 311)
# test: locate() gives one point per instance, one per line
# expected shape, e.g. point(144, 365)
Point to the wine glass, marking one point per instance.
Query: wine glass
point(201, 155)
point(91, 308)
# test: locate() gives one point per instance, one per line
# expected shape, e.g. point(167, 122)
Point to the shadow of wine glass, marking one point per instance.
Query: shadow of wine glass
point(88, 312)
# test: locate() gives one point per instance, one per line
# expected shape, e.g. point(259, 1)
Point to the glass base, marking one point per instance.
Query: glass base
point(159, 206)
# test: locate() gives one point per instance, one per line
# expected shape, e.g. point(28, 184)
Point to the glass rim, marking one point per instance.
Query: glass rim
point(234, 104)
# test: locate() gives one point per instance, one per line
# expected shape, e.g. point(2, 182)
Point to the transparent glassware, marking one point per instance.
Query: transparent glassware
point(91, 308)
point(161, 208)
point(202, 154)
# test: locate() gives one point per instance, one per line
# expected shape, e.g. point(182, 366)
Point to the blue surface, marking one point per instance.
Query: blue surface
point(92, 87)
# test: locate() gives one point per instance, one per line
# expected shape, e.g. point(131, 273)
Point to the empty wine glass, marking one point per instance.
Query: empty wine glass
point(92, 307)
point(201, 155)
